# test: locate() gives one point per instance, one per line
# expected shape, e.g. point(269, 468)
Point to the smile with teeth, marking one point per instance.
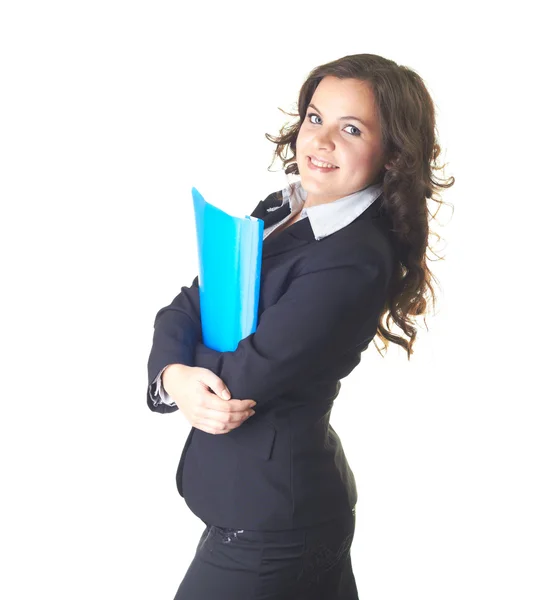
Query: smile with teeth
point(322, 164)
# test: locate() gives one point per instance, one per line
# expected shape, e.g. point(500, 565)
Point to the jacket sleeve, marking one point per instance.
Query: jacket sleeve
point(324, 314)
point(177, 331)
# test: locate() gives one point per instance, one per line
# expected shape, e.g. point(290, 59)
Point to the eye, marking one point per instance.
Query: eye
point(358, 131)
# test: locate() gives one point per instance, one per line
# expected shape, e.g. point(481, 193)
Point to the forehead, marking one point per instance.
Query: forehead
point(337, 98)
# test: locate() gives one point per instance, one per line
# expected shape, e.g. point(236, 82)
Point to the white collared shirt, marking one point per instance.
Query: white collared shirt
point(324, 219)
point(327, 218)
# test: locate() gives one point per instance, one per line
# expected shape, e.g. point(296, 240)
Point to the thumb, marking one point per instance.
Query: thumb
point(215, 383)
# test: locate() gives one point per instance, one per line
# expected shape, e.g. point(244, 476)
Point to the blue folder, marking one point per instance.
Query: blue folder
point(229, 257)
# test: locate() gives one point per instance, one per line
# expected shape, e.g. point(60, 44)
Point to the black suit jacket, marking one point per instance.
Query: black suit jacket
point(319, 305)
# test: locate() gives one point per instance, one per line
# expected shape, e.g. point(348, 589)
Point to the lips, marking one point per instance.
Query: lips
point(313, 167)
point(317, 159)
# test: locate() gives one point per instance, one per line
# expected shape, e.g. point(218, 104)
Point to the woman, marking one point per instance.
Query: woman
point(343, 246)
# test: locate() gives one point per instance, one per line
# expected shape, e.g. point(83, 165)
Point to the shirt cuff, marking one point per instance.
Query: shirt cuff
point(158, 394)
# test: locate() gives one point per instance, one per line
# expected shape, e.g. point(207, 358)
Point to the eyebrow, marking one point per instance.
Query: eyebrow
point(343, 118)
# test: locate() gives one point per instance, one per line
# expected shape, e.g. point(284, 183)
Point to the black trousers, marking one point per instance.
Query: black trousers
point(297, 564)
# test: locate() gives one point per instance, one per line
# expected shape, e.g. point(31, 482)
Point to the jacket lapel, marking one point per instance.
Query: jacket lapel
point(298, 234)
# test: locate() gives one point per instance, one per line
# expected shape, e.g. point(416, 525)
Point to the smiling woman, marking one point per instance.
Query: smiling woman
point(343, 246)
point(327, 136)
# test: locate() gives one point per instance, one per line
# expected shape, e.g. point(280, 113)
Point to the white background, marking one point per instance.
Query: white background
point(110, 112)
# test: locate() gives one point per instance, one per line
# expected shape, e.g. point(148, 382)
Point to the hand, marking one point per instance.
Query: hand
point(207, 410)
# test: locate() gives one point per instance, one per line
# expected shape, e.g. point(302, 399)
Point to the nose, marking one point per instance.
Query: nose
point(324, 142)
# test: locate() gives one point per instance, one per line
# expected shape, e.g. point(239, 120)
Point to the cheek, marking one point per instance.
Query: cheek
point(363, 158)
point(303, 136)
point(301, 144)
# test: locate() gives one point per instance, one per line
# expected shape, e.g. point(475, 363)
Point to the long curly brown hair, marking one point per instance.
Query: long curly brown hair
point(409, 138)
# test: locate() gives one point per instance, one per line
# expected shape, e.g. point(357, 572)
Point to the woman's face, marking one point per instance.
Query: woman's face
point(353, 146)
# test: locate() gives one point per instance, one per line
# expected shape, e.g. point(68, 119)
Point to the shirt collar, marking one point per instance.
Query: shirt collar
point(328, 218)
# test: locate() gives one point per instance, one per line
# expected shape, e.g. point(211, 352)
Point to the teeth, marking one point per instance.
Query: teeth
point(322, 164)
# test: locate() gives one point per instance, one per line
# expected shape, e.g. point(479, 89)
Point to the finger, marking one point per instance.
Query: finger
point(216, 427)
point(202, 426)
point(213, 402)
point(225, 417)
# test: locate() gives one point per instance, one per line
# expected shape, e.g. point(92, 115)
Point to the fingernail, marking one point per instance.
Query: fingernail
point(226, 395)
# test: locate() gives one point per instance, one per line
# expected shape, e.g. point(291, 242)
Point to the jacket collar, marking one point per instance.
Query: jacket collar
point(301, 232)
